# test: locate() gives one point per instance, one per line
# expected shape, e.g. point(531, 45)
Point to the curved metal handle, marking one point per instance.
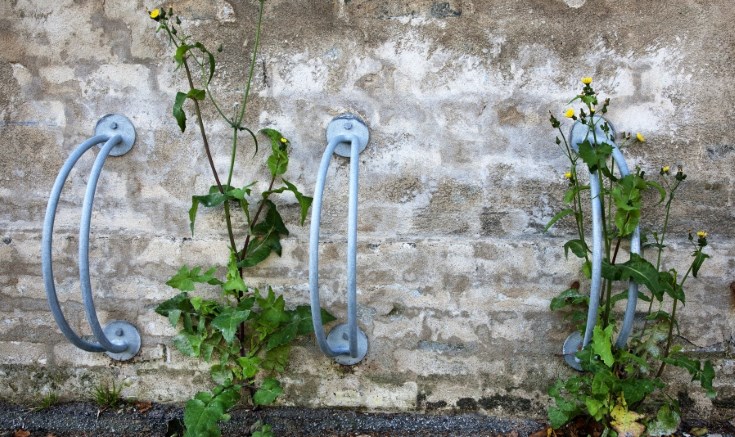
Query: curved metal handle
point(579, 133)
point(119, 339)
point(346, 343)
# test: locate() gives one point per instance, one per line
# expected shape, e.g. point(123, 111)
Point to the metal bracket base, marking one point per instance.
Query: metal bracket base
point(348, 124)
point(339, 339)
point(572, 345)
point(122, 332)
point(112, 124)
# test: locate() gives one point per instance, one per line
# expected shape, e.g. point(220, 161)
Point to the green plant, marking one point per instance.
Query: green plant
point(245, 333)
point(48, 401)
point(621, 388)
point(107, 395)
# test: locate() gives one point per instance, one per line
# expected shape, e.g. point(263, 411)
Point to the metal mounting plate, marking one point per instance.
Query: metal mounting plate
point(112, 124)
point(572, 345)
point(122, 332)
point(348, 124)
point(580, 131)
point(339, 339)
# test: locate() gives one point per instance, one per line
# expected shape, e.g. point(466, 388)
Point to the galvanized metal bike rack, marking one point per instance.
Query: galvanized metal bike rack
point(119, 339)
point(347, 136)
point(578, 134)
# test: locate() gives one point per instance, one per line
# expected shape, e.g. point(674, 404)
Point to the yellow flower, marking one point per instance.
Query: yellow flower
point(587, 80)
point(283, 140)
point(568, 175)
point(701, 234)
point(665, 169)
point(639, 136)
point(155, 13)
point(569, 113)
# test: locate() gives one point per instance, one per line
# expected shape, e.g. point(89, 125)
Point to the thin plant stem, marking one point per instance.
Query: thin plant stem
point(203, 132)
point(246, 93)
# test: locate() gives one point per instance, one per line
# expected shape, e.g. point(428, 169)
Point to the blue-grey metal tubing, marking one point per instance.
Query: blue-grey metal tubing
point(635, 244)
point(86, 220)
point(48, 229)
point(316, 210)
point(635, 247)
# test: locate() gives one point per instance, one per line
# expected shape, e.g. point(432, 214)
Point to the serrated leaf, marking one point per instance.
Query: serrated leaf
point(250, 366)
point(202, 413)
point(188, 344)
point(276, 359)
point(602, 344)
point(221, 374)
point(178, 303)
point(625, 422)
point(666, 422)
point(268, 391)
point(185, 279)
point(229, 321)
point(643, 272)
point(304, 201)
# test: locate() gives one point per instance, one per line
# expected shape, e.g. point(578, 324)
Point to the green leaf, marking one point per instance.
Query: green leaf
point(659, 188)
point(185, 279)
point(229, 321)
point(561, 214)
point(302, 316)
point(188, 344)
point(263, 431)
point(304, 201)
point(594, 157)
point(283, 335)
point(595, 408)
point(602, 345)
point(706, 378)
point(666, 422)
point(268, 391)
point(176, 304)
point(278, 160)
point(267, 237)
point(578, 247)
point(178, 110)
point(636, 389)
point(196, 94)
point(276, 359)
point(250, 366)
point(180, 54)
point(211, 61)
point(202, 413)
point(214, 198)
point(573, 191)
point(568, 297)
point(699, 258)
point(221, 374)
point(642, 272)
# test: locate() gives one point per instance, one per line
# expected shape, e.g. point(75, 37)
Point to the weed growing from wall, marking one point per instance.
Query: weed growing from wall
point(621, 389)
point(245, 333)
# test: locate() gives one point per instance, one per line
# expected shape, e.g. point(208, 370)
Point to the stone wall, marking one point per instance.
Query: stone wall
point(457, 183)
